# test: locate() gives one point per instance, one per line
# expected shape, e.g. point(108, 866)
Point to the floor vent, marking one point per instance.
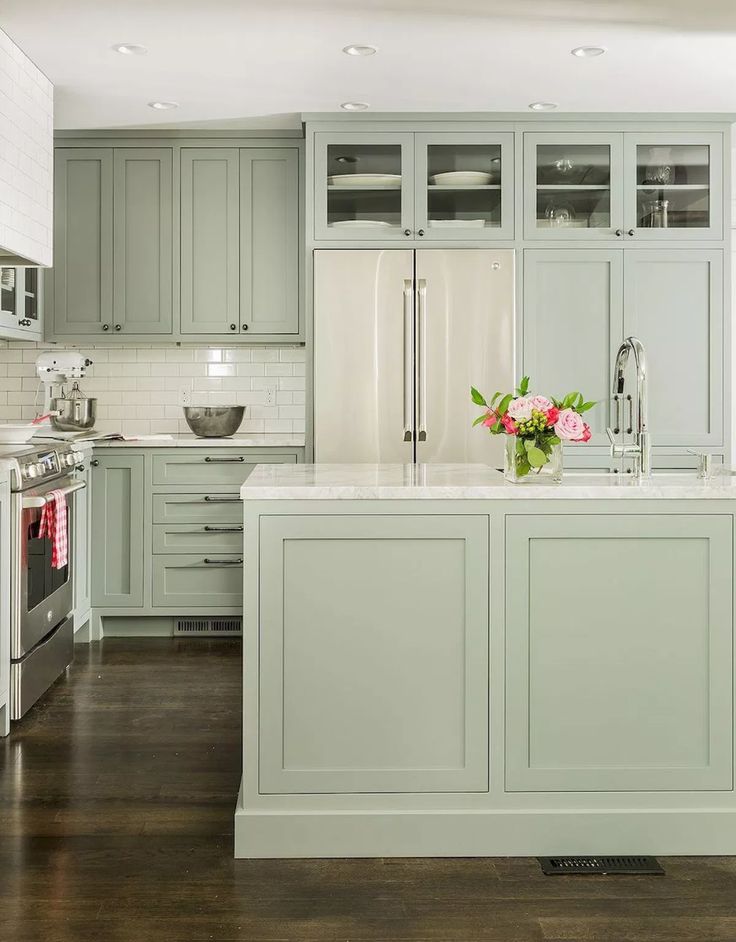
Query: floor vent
point(232, 625)
point(604, 865)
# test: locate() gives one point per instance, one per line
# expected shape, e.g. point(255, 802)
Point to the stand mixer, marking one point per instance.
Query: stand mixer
point(73, 412)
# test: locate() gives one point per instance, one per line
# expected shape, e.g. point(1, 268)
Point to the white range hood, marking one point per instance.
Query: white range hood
point(26, 159)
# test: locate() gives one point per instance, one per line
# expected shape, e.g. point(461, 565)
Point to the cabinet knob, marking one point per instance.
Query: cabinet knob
point(619, 232)
point(407, 232)
point(105, 326)
point(421, 232)
point(94, 462)
point(245, 326)
point(631, 232)
point(233, 327)
point(118, 327)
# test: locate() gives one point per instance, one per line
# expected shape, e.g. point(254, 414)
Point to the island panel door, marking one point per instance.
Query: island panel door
point(619, 676)
point(373, 654)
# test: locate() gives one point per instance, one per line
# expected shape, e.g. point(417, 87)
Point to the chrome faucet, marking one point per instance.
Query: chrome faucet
point(641, 450)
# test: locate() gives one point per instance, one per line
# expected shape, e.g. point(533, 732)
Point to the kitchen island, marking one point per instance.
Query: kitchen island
point(439, 663)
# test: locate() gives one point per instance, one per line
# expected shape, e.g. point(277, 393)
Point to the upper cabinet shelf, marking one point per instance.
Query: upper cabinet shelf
point(623, 186)
point(417, 187)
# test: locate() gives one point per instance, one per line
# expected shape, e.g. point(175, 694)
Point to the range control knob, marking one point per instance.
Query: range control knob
point(31, 470)
point(77, 457)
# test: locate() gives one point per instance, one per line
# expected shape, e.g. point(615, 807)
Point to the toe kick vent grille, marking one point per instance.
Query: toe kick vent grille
point(209, 626)
point(603, 865)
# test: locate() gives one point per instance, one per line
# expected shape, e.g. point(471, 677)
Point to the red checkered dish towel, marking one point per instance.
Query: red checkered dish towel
point(54, 526)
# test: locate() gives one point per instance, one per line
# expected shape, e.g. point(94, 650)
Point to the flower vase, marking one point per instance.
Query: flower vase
point(518, 471)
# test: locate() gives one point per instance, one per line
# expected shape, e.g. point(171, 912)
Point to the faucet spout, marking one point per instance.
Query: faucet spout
point(641, 450)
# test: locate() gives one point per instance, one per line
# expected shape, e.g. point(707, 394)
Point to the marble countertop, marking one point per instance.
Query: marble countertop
point(191, 441)
point(467, 482)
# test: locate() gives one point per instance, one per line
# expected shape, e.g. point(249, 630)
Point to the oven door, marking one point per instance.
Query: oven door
point(43, 596)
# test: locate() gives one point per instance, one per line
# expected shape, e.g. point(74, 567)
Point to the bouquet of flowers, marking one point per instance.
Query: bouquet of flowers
point(538, 424)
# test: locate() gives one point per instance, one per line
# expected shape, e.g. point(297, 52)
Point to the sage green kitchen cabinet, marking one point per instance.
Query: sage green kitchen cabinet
point(142, 241)
point(240, 241)
point(226, 467)
point(225, 508)
point(117, 546)
point(343, 656)
point(634, 694)
point(673, 302)
point(82, 545)
point(573, 326)
point(82, 276)
point(21, 304)
point(210, 232)
point(194, 581)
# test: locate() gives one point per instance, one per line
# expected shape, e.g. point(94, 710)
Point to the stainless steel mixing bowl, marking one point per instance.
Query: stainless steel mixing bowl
point(214, 421)
point(75, 415)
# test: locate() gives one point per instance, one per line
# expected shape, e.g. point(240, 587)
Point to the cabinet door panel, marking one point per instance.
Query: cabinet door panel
point(269, 241)
point(674, 305)
point(375, 685)
point(193, 467)
point(210, 222)
point(573, 325)
point(143, 211)
point(200, 539)
point(83, 239)
point(197, 581)
point(632, 695)
point(117, 547)
point(197, 508)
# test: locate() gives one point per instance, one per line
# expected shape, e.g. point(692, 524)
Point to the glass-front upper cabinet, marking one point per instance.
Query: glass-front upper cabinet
point(674, 186)
point(20, 299)
point(573, 186)
point(364, 186)
point(464, 186)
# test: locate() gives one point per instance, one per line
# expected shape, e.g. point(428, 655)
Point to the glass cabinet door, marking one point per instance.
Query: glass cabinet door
point(674, 187)
point(29, 297)
point(464, 186)
point(364, 187)
point(573, 186)
point(8, 296)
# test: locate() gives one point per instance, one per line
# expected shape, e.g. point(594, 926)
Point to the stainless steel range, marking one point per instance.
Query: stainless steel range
point(42, 629)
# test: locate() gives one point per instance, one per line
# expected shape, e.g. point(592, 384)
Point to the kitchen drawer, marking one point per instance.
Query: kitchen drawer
point(188, 580)
point(205, 538)
point(192, 468)
point(197, 508)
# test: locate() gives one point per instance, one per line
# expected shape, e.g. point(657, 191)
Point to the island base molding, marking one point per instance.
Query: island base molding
point(279, 834)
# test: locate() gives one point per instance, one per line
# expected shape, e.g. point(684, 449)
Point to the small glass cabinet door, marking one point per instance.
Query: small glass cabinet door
point(674, 187)
point(29, 309)
point(364, 187)
point(8, 296)
point(464, 186)
point(573, 186)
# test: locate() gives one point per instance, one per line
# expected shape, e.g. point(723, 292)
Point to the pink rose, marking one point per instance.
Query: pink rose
point(541, 403)
point(552, 415)
point(586, 433)
point(509, 424)
point(569, 426)
point(520, 409)
point(490, 419)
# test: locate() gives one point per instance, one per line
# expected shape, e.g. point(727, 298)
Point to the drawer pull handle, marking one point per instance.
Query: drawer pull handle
point(224, 460)
point(223, 562)
point(222, 500)
point(209, 529)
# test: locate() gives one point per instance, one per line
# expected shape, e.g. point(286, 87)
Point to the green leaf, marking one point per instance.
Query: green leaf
point(520, 448)
point(477, 397)
point(496, 397)
point(536, 457)
point(585, 406)
point(553, 440)
point(504, 404)
point(523, 386)
point(481, 418)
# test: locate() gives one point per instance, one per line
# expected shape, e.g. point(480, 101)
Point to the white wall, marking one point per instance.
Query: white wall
point(26, 158)
point(139, 388)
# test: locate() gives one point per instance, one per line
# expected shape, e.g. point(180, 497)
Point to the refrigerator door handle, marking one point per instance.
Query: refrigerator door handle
point(422, 360)
point(408, 362)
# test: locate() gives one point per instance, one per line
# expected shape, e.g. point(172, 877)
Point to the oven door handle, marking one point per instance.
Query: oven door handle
point(30, 503)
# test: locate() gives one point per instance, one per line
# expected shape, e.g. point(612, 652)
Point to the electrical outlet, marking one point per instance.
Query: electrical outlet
point(270, 396)
point(185, 396)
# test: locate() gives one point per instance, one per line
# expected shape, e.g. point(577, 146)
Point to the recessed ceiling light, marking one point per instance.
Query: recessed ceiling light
point(163, 105)
point(355, 49)
point(130, 49)
point(354, 106)
point(543, 106)
point(588, 52)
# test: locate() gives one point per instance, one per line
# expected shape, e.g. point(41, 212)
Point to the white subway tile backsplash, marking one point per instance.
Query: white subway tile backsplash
point(139, 388)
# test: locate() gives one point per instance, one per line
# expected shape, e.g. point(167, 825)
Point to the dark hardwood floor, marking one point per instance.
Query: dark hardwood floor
point(116, 803)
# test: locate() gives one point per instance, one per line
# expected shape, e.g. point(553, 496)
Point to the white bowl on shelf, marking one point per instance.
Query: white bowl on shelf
point(461, 178)
point(361, 224)
point(17, 433)
point(457, 223)
point(357, 180)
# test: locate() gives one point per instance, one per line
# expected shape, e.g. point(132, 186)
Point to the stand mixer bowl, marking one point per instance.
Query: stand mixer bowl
point(75, 415)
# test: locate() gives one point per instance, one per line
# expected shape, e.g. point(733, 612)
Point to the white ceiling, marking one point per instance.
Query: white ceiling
point(246, 62)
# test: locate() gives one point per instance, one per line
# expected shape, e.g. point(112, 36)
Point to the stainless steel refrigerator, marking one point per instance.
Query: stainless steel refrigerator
point(399, 338)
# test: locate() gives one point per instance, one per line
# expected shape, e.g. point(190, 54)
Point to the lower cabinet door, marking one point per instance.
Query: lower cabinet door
point(197, 508)
point(619, 653)
point(117, 541)
point(198, 581)
point(373, 654)
point(202, 539)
